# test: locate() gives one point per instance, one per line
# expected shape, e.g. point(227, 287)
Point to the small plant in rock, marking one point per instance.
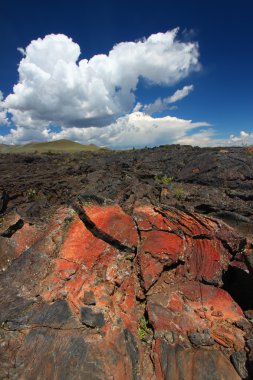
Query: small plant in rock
point(143, 330)
point(164, 180)
point(167, 180)
point(179, 192)
point(31, 194)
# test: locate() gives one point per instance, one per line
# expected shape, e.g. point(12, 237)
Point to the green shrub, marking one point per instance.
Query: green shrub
point(164, 180)
point(179, 192)
point(143, 328)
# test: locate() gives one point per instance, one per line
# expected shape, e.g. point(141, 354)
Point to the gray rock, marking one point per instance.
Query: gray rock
point(91, 318)
point(89, 298)
point(239, 361)
point(202, 338)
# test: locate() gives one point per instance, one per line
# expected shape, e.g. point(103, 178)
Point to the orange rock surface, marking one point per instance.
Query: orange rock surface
point(104, 294)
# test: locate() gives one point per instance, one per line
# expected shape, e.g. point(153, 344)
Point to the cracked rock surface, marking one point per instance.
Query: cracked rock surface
point(98, 293)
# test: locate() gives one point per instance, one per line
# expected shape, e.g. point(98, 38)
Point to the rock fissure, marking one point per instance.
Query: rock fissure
point(235, 279)
point(228, 247)
point(98, 233)
point(12, 229)
point(202, 236)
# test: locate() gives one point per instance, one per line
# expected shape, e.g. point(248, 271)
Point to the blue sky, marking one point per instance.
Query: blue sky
point(222, 83)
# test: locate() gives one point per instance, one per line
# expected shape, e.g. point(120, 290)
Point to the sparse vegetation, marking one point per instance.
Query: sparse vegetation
point(31, 194)
point(176, 189)
point(179, 192)
point(164, 180)
point(143, 330)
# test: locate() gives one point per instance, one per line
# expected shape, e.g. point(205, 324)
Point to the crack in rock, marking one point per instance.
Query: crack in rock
point(98, 233)
point(12, 229)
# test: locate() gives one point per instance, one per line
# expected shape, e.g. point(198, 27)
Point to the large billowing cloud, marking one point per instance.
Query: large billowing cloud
point(94, 100)
point(54, 86)
point(3, 118)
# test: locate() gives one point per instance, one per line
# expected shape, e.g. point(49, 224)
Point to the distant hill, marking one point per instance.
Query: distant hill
point(59, 146)
point(4, 148)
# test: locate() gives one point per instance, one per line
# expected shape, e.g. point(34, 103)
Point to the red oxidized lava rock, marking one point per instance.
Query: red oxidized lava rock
point(189, 306)
point(114, 222)
point(173, 237)
point(13, 241)
point(103, 295)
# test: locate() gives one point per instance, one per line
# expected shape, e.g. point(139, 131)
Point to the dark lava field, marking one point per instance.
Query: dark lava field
point(122, 265)
point(214, 181)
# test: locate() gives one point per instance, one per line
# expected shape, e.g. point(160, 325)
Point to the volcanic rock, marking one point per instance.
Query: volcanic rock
point(213, 181)
point(85, 288)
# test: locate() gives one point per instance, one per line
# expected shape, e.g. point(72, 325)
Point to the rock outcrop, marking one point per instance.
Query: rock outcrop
point(95, 293)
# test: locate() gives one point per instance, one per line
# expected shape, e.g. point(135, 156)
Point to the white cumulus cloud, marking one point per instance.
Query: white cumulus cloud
point(3, 112)
point(208, 137)
point(134, 130)
point(54, 87)
point(205, 137)
point(3, 118)
point(244, 138)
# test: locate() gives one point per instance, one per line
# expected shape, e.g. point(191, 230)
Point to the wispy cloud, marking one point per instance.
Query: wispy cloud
point(179, 94)
point(21, 50)
point(160, 105)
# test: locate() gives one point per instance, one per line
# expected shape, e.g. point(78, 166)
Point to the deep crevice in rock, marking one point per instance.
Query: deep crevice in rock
point(168, 268)
point(90, 225)
point(202, 236)
point(12, 229)
point(227, 246)
point(204, 208)
point(239, 285)
point(138, 232)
